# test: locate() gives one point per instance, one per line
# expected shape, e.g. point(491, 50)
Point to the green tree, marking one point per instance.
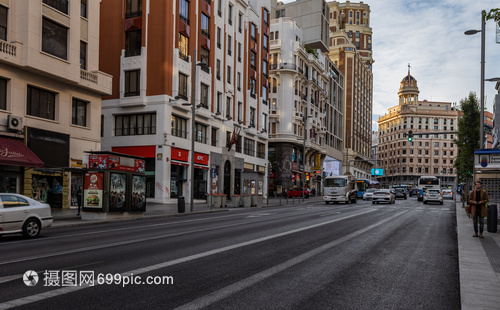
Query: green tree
point(493, 14)
point(468, 136)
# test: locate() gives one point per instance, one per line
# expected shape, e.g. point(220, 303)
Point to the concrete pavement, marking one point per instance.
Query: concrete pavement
point(479, 259)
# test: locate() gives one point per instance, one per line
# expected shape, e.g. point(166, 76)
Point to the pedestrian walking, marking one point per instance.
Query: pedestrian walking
point(79, 199)
point(478, 199)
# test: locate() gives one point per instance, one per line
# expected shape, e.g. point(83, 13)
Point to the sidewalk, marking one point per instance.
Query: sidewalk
point(69, 217)
point(479, 264)
point(479, 259)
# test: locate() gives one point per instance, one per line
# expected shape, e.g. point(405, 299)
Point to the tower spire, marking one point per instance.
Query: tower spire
point(409, 68)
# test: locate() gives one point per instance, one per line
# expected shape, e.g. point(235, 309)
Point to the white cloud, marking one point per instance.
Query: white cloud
point(430, 36)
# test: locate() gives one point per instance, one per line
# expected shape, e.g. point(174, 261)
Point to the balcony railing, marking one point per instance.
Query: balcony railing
point(179, 133)
point(205, 33)
point(132, 53)
point(7, 48)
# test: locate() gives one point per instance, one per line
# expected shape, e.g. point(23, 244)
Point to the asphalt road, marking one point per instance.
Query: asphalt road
point(302, 256)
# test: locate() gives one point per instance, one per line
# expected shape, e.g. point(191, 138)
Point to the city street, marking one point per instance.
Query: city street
point(301, 256)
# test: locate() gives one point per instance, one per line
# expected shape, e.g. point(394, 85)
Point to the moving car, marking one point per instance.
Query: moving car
point(401, 193)
point(447, 193)
point(383, 195)
point(369, 193)
point(413, 191)
point(433, 195)
point(21, 214)
point(297, 192)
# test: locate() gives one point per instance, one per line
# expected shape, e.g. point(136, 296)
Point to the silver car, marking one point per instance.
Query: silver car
point(369, 193)
point(383, 195)
point(433, 195)
point(21, 214)
point(447, 193)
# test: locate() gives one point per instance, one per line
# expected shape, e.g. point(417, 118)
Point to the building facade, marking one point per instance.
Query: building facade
point(167, 55)
point(432, 150)
point(350, 48)
point(306, 109)
point(50, 96)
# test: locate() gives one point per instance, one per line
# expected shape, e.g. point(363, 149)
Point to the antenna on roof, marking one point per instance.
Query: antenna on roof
point(409, 68)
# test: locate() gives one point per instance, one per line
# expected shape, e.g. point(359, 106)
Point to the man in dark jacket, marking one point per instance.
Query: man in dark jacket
point(478, 199)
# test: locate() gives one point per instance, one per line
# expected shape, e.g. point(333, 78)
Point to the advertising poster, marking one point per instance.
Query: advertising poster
point(117, 191)
point(138, 193)
point(92, 193)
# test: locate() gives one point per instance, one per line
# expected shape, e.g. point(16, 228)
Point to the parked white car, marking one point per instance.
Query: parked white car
point(369, 193)
point(21, 214)
point(383, 195)
point(433, 195)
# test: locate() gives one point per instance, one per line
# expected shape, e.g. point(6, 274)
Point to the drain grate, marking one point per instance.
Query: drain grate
point(492, 251)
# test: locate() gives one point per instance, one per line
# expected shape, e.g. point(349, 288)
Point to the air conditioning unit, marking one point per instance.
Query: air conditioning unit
point(15, 122)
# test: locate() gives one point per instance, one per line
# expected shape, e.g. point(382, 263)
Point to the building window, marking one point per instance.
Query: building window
point(60, 5)
point(201, 133)
point(79, 112)
point(214, 136)
point(217, 70)
point(249, 147)
point(219, 7)
point(218, 38)
point(183, 86)
point(280, 13)
point(240, 22)
point(83, 55)
point(238, 81)
point(240, 112)
point(179, 126)
point(230, 15)
point(134, 8)
point(229, 74)
point(55, 39)
point(264, 94)
point(436, 144)
point(132, 83)
point(253, 32)
point(228, 108)
point(3, 94)
point(205, 30)
point(252, 87)
point(204, 57)
point(261, 150)
point(266, 17)
point(3, 23)
point(265, 43)
point(229, 45)
point(41, 103)
point(264, 68)
point(204, 96)
point(252, 117)
point(183, 47)
point(133, 42)
point(184, 11)
point(83, 8)
point(239, 52)
point(252, 60)
point(135, 124)
point(264, 122)
point(219, 103)
point(436, 152)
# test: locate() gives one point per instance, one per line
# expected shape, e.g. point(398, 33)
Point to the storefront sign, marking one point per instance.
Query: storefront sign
point(113, 162)
point(179, 154)
point(92, 193)
point(487, 159)
point(200, 158)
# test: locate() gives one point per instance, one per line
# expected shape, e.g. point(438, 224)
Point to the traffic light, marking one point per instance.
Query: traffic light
point(410, 135)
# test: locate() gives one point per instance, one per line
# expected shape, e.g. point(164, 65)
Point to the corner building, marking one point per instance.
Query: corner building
point(430, 152)
point(149, 47)
point(350, 48)
point(50, 96)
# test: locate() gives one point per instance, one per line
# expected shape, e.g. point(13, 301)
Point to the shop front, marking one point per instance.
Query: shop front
point(179, 172)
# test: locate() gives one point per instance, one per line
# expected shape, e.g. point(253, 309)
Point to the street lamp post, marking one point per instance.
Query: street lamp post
point(304, 155)
point(193, 123)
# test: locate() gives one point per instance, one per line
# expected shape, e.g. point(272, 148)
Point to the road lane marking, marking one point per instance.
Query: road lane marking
point(229, 290)
point(58, 292)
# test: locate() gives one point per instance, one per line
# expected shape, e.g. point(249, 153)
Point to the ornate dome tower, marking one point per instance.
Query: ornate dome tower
point(408, 91)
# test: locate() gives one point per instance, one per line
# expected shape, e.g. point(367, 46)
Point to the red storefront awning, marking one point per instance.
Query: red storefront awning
point(15, 153)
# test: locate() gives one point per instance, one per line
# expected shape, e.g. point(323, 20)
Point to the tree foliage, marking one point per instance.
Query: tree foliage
point(493, 14)
point(468, 135)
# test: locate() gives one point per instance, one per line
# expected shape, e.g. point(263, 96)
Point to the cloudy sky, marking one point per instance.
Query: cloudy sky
point(430, 36)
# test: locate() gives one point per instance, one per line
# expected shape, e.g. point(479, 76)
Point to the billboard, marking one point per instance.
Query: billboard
point(377, 171)
point(92, 193)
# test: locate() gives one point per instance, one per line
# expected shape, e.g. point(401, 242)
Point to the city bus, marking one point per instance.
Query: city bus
point(340, 188)
point(364, 184)
point(426, 182)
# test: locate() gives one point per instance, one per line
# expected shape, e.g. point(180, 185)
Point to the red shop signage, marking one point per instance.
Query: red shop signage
point(200, 158)
point(179, 154)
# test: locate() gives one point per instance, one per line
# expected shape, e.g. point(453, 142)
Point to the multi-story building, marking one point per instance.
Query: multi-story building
point(168, 55)
point(432, 151)
point(306, 108)
point(488, 129)
point(350, 48)
point(50, 96)
point(306, 96)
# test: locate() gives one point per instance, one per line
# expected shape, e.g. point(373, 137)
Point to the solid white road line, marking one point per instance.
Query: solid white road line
point(69, 289)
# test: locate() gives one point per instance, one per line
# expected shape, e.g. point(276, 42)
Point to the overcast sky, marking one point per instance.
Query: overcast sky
point(430, 36)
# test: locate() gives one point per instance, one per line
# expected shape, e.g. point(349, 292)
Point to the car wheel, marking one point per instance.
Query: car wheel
point(31, 228)
point(425, 202)
point(441, 202)
point(373, 202)
point(327, 202)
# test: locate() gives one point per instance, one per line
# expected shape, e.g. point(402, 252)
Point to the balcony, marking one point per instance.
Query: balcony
point(96, 81)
